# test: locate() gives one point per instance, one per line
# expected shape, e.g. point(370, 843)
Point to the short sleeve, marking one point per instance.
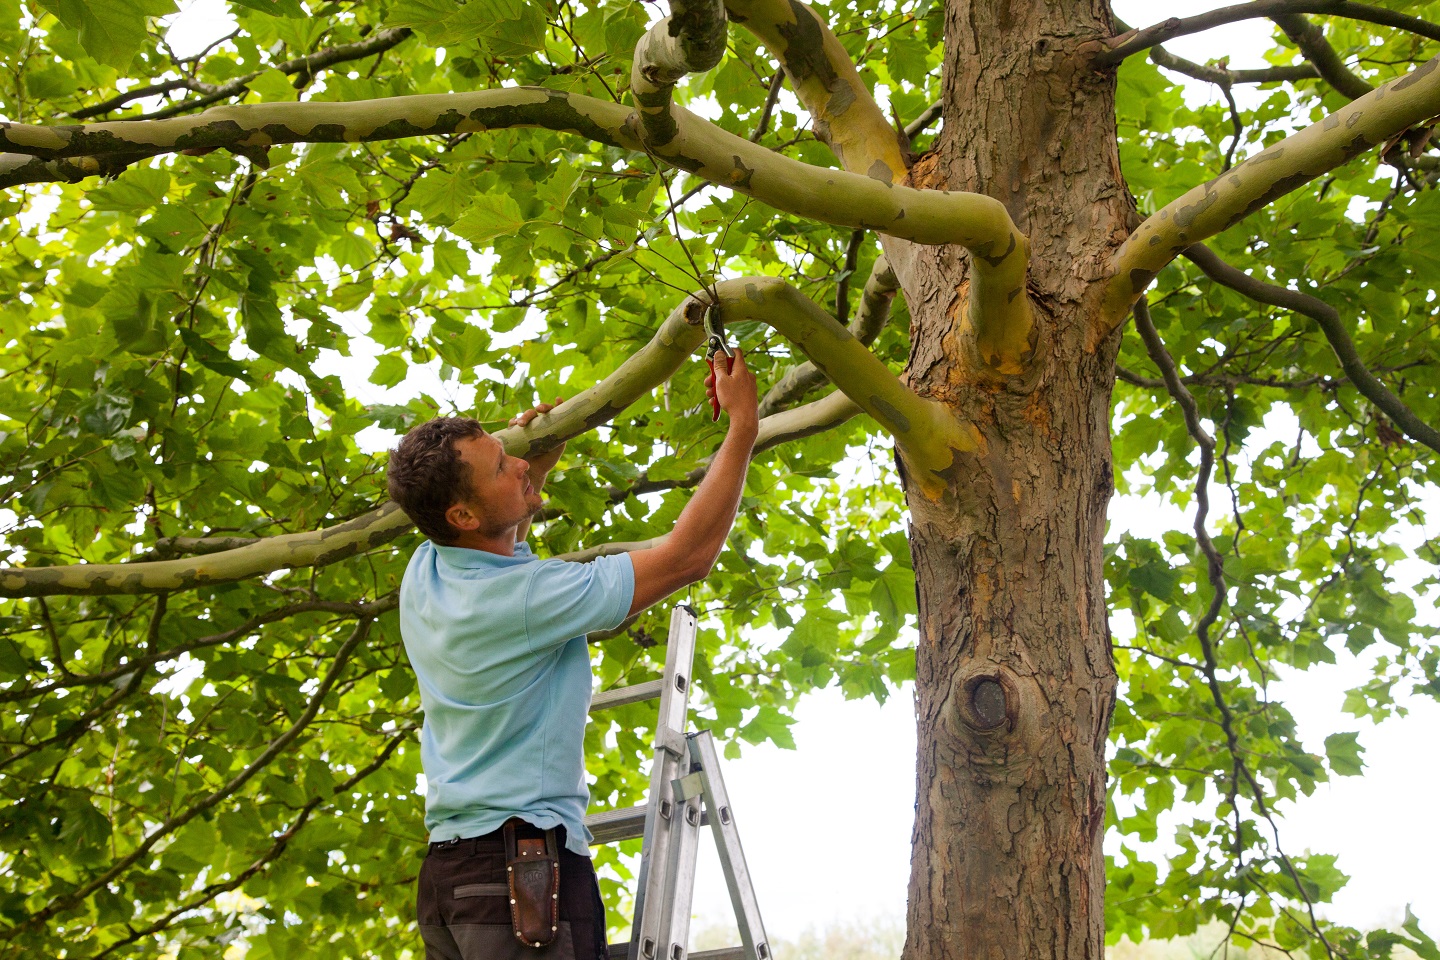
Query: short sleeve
point(566, 600)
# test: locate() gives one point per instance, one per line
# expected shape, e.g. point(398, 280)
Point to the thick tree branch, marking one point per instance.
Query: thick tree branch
point(690, 40)
point(1310, 39)
point(979, 223)
point(17, 169)
point(288, 551)
point(870, 318)
point(1263, 178)
point(928, 437)
point(1327, 318)
point(1133, 41)
point(845, 115)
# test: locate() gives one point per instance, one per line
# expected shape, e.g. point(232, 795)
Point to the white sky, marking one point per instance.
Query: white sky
point(827, 827)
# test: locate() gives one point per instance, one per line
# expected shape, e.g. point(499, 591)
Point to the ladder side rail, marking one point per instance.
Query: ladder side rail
point(671, 762)
point(680, 871)
point(727, 840)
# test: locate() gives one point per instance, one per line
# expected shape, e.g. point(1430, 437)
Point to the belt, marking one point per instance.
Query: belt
point(493, 842)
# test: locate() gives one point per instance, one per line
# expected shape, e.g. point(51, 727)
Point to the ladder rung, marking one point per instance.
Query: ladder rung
point(612, 826)
point(621, 951)
point(618, 697)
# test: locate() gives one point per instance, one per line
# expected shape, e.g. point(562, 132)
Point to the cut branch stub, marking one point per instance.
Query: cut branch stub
point(1264, 178)
point(986, 704)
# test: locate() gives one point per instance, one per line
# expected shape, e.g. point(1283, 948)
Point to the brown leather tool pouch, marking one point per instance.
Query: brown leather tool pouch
point(532, 868)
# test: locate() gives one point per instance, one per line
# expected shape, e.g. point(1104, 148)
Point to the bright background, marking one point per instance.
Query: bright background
point(827, 826)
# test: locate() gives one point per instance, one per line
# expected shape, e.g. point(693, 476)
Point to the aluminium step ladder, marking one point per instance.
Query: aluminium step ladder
point(686, 792)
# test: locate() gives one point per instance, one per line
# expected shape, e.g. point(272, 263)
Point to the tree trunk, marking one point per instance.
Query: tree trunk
point(1015, 683)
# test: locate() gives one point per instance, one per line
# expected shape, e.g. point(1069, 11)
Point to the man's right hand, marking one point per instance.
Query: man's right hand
point(688, 553)
point(735, 390)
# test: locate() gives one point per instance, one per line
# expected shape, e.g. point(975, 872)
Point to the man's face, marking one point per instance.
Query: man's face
point(502, 493)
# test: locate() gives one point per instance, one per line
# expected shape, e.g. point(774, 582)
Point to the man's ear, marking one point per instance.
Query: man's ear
point(461, 517)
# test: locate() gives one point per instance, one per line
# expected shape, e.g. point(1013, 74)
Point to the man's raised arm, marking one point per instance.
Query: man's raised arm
point(692, 547)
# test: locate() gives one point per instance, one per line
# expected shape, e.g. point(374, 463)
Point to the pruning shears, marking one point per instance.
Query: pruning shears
point(715, 336)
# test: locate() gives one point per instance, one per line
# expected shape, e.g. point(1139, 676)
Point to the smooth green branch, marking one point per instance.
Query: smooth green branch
point(870, 318)
point(1293, 162)
point(999, 308)
point(979, 223)
point(931, 440)
point(690, 40)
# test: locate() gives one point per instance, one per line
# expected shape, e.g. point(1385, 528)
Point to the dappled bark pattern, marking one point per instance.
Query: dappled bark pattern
point(1015, 682)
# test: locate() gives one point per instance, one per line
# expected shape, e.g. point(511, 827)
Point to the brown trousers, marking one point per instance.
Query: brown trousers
point(464, 907)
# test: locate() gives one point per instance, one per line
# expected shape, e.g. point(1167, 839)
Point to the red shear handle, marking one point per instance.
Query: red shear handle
point(715, 399)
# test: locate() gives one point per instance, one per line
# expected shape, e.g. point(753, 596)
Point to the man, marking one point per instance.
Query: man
point(497, 641)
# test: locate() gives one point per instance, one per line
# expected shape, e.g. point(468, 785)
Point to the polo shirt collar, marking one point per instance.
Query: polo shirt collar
point(467, 559)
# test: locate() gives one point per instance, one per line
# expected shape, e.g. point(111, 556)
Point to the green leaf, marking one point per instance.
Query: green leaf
point(390, 369)
point(1343, 751)
point(488, 217)
point(111, 31)
point(212, 357)
point(275, 8)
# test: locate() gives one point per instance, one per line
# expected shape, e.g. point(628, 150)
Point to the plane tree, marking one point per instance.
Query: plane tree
point(1040, 274)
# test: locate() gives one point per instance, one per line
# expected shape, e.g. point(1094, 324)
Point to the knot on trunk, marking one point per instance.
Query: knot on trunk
point(989, 703)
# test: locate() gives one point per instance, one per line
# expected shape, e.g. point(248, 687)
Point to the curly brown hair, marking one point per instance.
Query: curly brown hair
point(427, 477)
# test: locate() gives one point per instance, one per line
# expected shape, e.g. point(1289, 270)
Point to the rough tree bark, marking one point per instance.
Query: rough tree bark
point(1014, 677)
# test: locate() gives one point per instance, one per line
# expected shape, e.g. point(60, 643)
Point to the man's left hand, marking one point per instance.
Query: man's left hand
point(541, 464)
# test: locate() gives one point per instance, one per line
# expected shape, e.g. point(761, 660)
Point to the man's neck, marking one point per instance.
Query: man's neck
point(502, 543)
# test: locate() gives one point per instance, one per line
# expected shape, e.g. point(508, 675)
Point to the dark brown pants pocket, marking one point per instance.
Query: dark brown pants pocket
point(491, 941)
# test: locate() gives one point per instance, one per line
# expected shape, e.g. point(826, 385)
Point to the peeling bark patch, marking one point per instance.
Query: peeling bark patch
point(1416, 75)
point(1186, 215)
point(1140, 279)
point(603, 416)
point(741, 176)
point(1265, 156)
point(895, 417)
point(1354, 148)
point(753, 293)
point(805, 48)
point(880, 170)
point(954, 476)
point(842, 98)
point(1277, 190)
point(996, 261)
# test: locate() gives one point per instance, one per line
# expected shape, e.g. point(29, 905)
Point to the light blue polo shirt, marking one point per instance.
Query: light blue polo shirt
point(498, 647)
